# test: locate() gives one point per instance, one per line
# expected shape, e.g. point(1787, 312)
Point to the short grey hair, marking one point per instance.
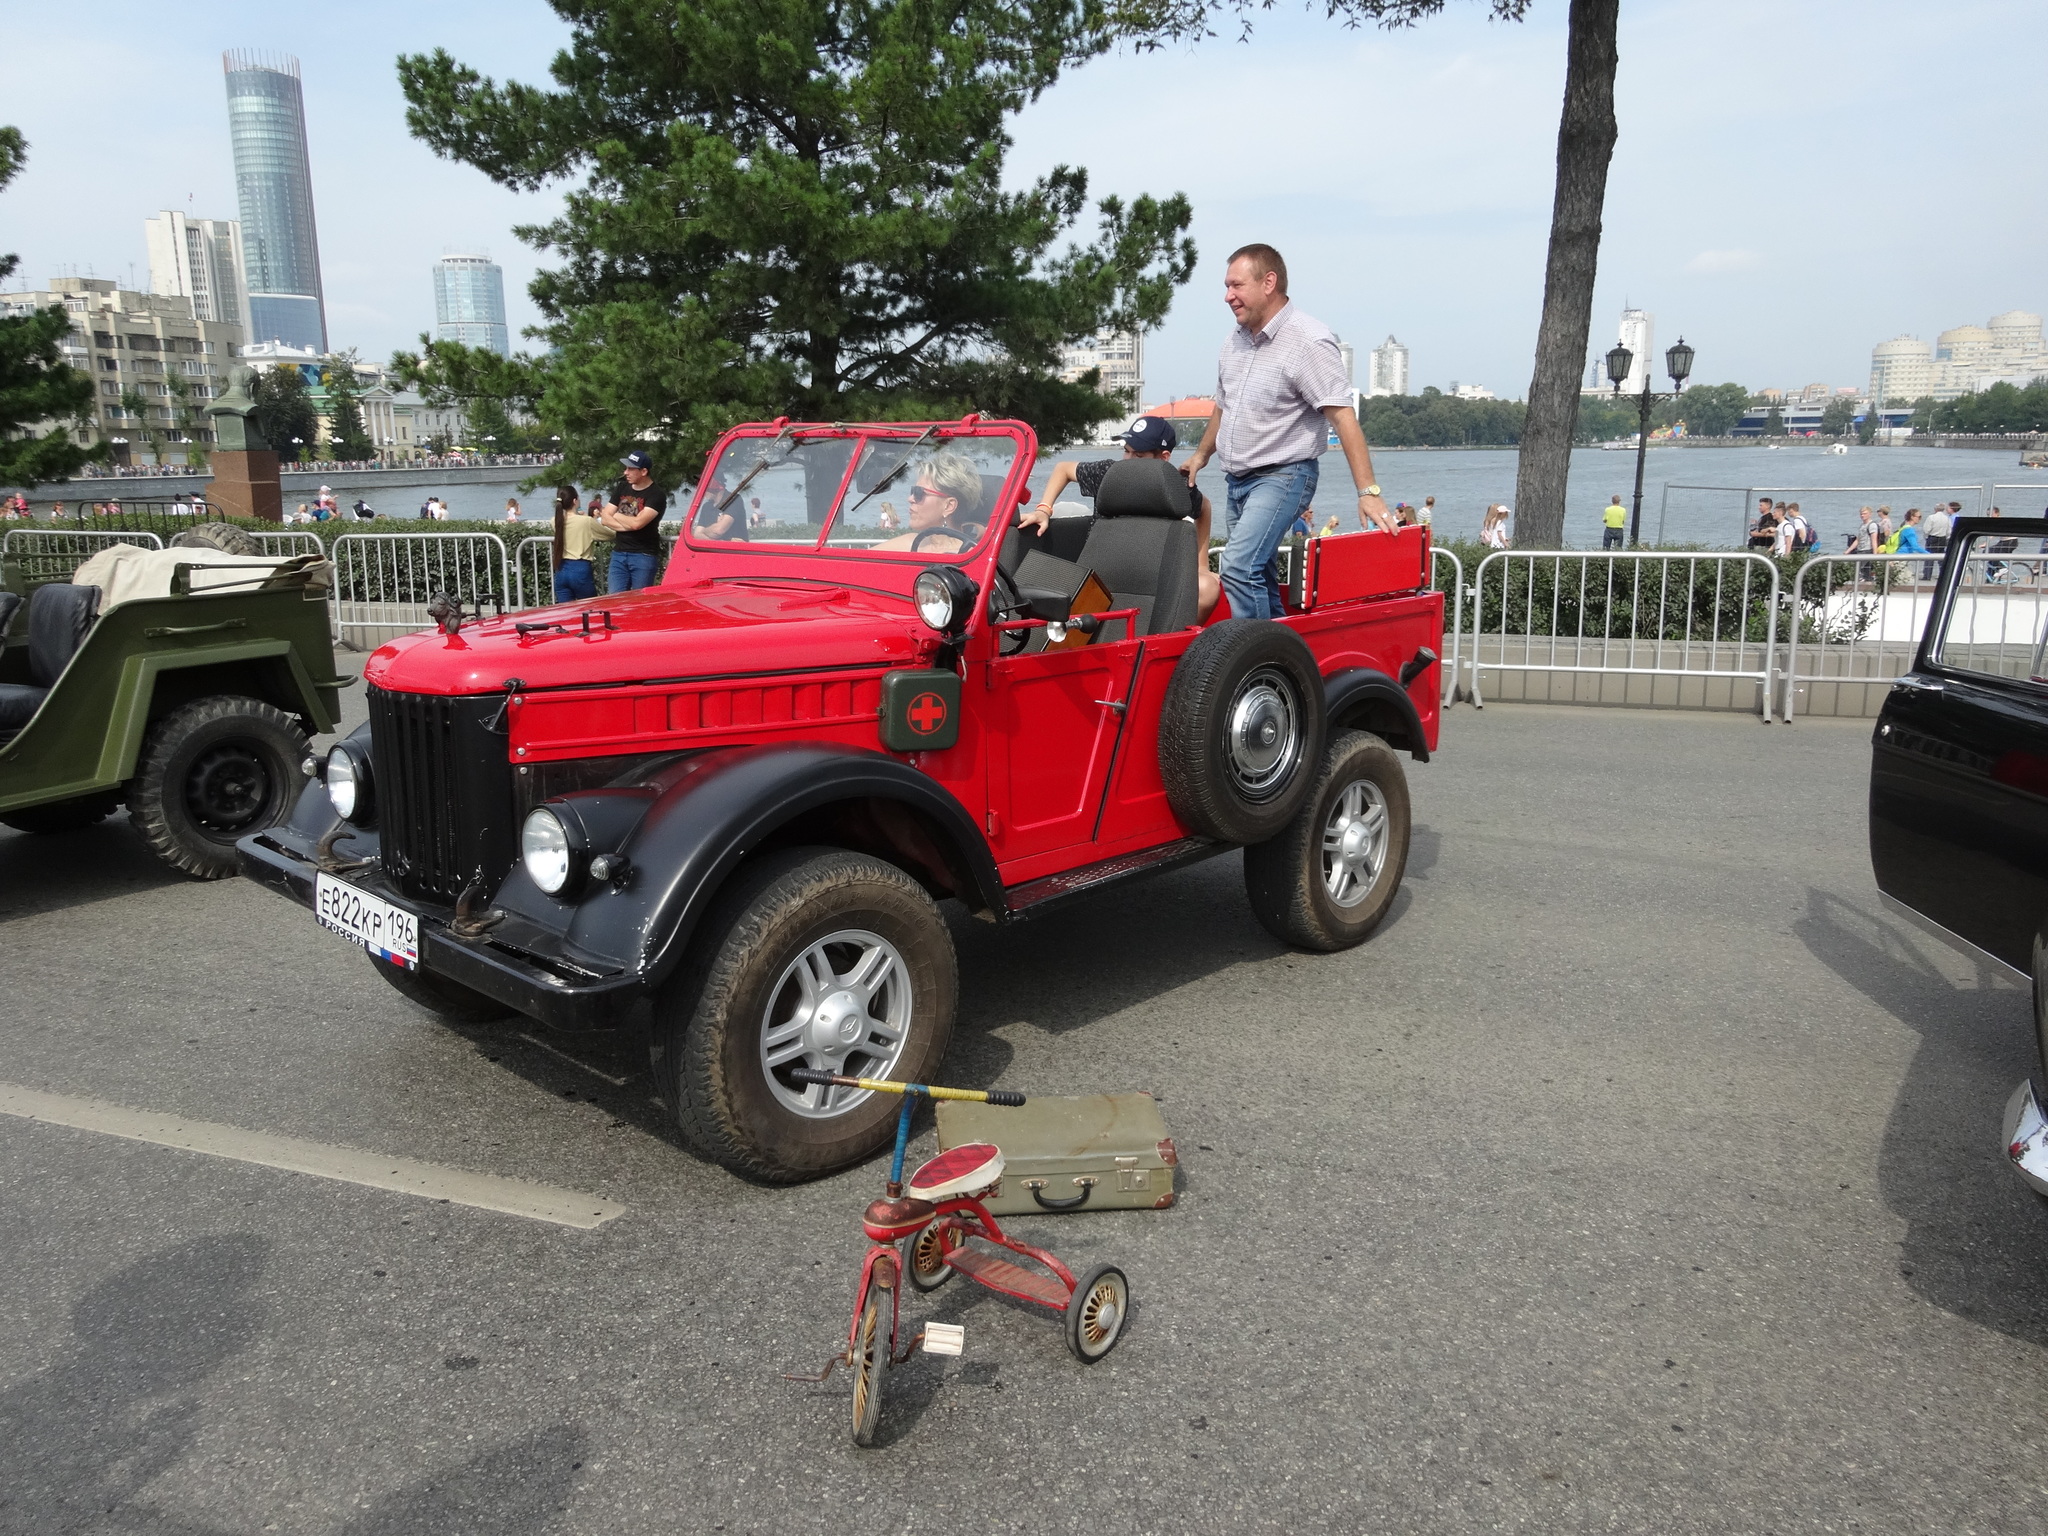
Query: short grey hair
point(954, 475)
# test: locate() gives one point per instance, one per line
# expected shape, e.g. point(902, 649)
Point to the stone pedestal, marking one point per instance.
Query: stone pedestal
point(245, 484)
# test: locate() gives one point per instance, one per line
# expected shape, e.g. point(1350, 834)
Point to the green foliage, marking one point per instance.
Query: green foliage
point(796, 209)
point(491, 430)
point(1711, 410)
point(1603, 418)
point(1774, 424)
point(1150, 24)
point(136, 404)
point(36, 384)
point(285, 411)
point(347, 438)
point(1838, 416)
point(2001, 408)
point(1434, 419)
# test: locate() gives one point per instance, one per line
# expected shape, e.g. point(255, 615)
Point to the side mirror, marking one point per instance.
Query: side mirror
point(1044, 603)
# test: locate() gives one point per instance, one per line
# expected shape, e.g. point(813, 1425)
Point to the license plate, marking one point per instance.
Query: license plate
point(378, 926)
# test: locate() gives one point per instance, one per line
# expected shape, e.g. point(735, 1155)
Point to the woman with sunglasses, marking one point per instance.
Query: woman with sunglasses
point(945, 494)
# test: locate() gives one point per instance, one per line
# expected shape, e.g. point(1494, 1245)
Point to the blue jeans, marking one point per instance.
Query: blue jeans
point(574, 579)
point(1612, 538)
point(632, 570)
point(1258, 511)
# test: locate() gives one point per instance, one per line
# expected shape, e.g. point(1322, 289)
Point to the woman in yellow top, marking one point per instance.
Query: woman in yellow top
point(576, 534)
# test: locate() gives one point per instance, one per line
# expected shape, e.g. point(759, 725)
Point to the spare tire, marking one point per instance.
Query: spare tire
point(225, 537)
point(1241, 732)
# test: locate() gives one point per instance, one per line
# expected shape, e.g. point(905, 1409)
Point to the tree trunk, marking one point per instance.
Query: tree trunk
point(1585, 145)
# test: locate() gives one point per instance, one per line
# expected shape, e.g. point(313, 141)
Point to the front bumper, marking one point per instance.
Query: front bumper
point(2026, 1137)
point(526, 981)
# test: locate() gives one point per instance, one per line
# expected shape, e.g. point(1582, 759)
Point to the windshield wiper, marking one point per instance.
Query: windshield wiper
point(759, 464)
point(894, 470)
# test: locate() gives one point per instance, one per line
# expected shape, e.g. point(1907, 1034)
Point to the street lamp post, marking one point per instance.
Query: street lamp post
point(1678, 363)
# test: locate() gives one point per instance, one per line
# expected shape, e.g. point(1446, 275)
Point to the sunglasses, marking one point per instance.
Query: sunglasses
point(923, 493)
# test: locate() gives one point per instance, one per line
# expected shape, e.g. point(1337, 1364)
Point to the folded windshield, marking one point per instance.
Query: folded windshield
point(929, 492)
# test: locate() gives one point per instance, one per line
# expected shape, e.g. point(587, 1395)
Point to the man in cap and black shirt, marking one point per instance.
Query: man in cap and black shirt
point(632, 511)
point(1150, 437)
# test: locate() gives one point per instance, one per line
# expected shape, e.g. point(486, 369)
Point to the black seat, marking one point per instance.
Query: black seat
point(10, 603)
point(1062, 539)
point(1142, 544)
point(59, 615)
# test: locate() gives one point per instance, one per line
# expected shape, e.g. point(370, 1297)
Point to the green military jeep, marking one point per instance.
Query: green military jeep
point(181, 682)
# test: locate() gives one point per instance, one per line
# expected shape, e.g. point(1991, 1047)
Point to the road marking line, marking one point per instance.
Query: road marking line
point(402, 1175)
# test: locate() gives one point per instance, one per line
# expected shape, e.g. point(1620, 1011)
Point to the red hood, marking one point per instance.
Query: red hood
point(706, 629)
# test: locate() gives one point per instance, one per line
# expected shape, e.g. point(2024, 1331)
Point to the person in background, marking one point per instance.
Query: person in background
point(1764, 531)
point(1885, 526)
point(1935, 529)
point(512, 509)
point(1791, 532)
point(1150, 437)
point(1426, 513)
point(363, 510)
point(887, 521)
point(596, 503)
point(945, 494)
point(1613, 523)
point(56, 510)
point(576, 537)
point(1328, 528)
point(1909, 541)
point(1493, 532)
point(632, 511)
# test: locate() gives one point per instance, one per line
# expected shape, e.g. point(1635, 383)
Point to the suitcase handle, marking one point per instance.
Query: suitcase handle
point(1070, 1203)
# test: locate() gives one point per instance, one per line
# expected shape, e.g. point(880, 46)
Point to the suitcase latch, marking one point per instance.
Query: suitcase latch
point(1129, 1176)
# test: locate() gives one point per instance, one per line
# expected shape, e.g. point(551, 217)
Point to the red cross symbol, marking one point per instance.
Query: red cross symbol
point(926, 714)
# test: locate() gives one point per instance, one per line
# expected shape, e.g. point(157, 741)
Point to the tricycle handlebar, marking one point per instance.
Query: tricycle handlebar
point(1002, 1096)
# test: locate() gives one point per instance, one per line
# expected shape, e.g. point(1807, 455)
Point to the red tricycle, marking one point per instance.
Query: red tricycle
point(934, 1222)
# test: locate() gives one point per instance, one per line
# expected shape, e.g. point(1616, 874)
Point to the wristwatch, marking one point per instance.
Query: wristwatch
point(1370, 490)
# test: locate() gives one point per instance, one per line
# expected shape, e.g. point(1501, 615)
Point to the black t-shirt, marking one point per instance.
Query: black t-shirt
point(709, 512)
point(1088, 476)
point(640, 541)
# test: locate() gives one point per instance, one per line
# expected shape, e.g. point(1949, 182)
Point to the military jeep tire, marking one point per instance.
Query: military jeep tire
point(812, 957)
point(1329, 877)
point(1240, 730)
point(211, 772)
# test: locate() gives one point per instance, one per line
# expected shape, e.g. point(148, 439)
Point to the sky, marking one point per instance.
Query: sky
point(1793, 183)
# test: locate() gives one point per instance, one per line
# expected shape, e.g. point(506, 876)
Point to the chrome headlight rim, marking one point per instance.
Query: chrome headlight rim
point(351, 786)
point(554, 851)
point(944, 595)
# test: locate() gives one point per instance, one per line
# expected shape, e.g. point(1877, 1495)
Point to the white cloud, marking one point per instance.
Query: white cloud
point(1712, 262)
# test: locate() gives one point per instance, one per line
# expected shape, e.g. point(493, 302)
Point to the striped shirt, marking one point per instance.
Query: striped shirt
point(1271, 387)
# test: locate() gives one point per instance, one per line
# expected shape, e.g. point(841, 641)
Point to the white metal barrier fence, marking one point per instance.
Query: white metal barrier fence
point(1454, 615)
point(1696, 627)
point(383, 581)
point(45, 555)
point(285, 545)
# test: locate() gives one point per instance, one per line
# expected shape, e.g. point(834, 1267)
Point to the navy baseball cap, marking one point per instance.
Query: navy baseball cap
point(1149, 434)
point(637, 460)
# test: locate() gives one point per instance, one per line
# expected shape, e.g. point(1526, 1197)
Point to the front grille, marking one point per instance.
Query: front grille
point(445, 810)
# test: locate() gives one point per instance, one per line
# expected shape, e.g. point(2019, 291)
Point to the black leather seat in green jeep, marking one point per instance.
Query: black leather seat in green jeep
point(59, 615)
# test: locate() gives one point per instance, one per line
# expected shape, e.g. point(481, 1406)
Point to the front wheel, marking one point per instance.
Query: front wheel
point(210, 772)
point(870, 1365)
point(1326, 881)
point(812, 957)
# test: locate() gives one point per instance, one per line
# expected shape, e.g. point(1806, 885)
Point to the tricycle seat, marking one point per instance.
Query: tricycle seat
point(963, 1170)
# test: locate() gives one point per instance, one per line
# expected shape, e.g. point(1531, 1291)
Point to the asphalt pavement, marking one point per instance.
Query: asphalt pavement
point(1639, 1174)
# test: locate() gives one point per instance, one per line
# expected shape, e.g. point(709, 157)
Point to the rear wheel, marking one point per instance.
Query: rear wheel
point(1096, 1313)
point(1329, 877)
point(441, 997)
point(924, 1256)
point(812, 957)
point(63, 815)
point(212, 771)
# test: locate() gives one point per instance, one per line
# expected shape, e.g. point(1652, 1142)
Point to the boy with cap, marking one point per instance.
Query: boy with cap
point(632, 511)
point(1150, 437)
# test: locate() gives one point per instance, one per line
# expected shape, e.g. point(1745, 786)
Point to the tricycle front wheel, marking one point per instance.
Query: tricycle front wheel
point(1096, 1313)
point(870, 1364)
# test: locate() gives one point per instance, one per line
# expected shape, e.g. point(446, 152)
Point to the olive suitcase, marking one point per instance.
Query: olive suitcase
point(1095, 1152)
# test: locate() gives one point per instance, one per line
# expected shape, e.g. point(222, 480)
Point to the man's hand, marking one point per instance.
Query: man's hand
point(1372, 510)
point(1194, 463)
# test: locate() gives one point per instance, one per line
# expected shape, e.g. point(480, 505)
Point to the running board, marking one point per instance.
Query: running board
point(1036, 896)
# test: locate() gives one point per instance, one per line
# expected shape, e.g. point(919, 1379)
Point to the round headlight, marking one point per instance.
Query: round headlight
point(348, 783)
point(944, 598)
point(544, 848)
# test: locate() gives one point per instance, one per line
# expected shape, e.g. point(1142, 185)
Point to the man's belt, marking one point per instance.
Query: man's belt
point(1266, 469)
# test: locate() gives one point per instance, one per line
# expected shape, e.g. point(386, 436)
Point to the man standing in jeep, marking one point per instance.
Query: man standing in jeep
point(632, 510)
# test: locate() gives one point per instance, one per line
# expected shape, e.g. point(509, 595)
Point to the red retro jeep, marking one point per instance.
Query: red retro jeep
point(738, 797)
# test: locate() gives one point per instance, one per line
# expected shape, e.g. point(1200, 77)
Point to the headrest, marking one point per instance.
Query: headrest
point(1142, 488)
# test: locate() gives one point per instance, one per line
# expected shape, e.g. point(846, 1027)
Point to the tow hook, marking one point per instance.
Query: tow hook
point(468, 923)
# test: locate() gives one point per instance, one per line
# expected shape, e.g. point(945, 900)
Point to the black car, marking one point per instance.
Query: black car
point(1959, 779)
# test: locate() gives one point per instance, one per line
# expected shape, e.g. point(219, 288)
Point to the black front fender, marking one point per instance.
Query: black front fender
point(708, 812)
point(1363, 699)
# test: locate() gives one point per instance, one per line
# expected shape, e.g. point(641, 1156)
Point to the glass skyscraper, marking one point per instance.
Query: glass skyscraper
point(469, 303)
point(267, 126)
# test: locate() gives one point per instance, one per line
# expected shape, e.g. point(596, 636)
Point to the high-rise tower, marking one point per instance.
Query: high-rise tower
point(200, 260)
point(469, 303)
point(280, 246)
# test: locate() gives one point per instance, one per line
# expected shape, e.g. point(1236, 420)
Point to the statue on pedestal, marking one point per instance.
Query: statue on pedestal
point(234, 422)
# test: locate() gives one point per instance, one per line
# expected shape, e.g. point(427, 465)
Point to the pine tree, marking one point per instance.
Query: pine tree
point(796, 208)
point(284, 412)
point(347, 438)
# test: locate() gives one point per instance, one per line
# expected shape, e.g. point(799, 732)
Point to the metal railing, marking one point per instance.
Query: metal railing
point(1854, 625)
point(1454, 602)
point(1665, 617)
point(1977, 496)
point(45, 555)
point(1998, 621)
point(285, 545)
point(383, 581)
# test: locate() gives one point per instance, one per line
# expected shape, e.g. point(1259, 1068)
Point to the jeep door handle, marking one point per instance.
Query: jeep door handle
point(1116, 704)
point(1921, 684)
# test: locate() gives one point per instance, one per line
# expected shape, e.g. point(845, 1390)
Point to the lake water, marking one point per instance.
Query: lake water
point(1464, 482)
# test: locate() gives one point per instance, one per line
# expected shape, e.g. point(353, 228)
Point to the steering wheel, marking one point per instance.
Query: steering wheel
point(1005, 601)
point(944, 531)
